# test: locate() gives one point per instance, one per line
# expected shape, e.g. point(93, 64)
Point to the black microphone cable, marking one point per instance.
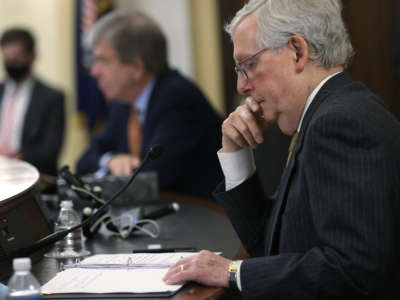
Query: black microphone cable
point(152, 154)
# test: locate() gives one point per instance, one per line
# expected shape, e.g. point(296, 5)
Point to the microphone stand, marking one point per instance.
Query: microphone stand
point(153, 154)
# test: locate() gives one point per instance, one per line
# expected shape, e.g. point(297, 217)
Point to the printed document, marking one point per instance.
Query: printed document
point(117, 273)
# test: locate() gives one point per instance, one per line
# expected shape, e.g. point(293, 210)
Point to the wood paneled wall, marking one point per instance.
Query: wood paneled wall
point(371, 25)
point(227, 10)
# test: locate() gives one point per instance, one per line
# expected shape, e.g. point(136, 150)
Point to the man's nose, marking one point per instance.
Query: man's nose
point(242, 85)
point(94, 70)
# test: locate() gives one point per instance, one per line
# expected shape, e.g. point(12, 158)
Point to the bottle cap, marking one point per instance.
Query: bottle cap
point(67, 204)
point(22, 264)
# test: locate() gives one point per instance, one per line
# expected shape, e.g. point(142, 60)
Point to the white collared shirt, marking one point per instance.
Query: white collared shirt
point(22, 100)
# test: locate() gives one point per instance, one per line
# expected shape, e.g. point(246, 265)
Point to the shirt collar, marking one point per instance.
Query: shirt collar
point(25, 85)
point(311, 97)
point(12, 83)
point(142, 101)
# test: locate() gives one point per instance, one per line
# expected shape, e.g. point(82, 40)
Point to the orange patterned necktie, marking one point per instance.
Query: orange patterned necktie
point(134, 133)
point(292, 143)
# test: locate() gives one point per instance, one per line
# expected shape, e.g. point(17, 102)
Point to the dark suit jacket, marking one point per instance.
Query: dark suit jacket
point(43, 129)
point(180, 118)
point(332, 229)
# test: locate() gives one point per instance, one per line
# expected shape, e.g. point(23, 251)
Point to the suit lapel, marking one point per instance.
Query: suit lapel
point(31, 123)
point(153, 110)
point(1, 92)
point(273, 241)
point(272, 245)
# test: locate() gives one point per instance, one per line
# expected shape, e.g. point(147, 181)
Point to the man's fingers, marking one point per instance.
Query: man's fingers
point(178, 272)
point(135, 162)
point(231, 132)
point(252, 130)
point(120, 165)
point(241, 124)
point(205, 268)
point(242, 127)
point(254, 106)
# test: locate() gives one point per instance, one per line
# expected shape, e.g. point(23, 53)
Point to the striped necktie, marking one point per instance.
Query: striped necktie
point(291, 146)
point(134, 133)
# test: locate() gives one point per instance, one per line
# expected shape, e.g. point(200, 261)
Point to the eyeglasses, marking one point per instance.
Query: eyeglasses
point(241, 66)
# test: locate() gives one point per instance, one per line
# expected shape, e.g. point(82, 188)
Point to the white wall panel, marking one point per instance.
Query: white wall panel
point(174, 18)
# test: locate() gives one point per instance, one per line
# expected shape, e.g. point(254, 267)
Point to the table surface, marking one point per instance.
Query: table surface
point(197, 224)
point(16, 177)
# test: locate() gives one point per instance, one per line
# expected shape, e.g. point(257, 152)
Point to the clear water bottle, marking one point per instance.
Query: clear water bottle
point(68, 218)
point(23, 285)
point(3, 291)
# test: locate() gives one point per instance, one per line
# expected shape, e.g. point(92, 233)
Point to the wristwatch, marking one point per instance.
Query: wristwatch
point(233, 275)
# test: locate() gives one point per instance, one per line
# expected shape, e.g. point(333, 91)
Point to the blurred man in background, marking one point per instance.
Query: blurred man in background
point(32, 114)
point(155, 105)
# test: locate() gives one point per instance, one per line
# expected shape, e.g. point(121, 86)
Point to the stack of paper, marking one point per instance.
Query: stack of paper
point(117, 273)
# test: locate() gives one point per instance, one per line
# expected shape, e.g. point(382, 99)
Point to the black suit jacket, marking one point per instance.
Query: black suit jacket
point(43, 129)
point(180, 118)
point(331, 231)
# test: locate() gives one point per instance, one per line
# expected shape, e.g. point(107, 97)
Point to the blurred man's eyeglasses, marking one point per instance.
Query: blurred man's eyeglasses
point(247, 63)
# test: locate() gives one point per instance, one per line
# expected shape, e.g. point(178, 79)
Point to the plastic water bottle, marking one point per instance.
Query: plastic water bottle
point(23, 285)
point(3, 291)
point(68, 218)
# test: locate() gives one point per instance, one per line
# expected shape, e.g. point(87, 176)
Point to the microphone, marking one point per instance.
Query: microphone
point(162, 212)
point(152, 154)
point(75, 181)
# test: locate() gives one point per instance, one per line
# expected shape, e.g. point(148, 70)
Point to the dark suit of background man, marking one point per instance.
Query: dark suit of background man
point(130, 64)
point(32, 114)
point(332, 229)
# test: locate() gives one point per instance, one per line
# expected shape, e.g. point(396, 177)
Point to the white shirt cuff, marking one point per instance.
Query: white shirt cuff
point(104, 159)
point(103, 165)
point(237, 166)
point(239, 283)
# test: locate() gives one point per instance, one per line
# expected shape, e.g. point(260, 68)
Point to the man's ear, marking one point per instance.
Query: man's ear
point(138, 68)
point(300, 48)
point(32, 58)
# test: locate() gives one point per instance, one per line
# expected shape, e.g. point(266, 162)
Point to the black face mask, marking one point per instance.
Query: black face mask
point(17, 73)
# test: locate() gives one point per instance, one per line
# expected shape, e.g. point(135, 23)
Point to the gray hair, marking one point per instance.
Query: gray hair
point(132, 34)
point(319, 22)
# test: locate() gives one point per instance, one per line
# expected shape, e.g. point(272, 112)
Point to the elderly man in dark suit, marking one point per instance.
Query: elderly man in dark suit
point(32, 116)
point(331, 231)
point(155, 105)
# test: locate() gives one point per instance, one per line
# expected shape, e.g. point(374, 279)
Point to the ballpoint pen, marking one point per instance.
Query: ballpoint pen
point(163, 250)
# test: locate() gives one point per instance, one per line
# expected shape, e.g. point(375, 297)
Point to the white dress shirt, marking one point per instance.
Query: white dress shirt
point(22, 98)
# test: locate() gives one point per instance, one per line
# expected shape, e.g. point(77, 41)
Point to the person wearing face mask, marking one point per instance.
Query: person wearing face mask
point(32, 114)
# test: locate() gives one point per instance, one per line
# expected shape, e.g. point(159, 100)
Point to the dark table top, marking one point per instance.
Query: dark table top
point(198, 223)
